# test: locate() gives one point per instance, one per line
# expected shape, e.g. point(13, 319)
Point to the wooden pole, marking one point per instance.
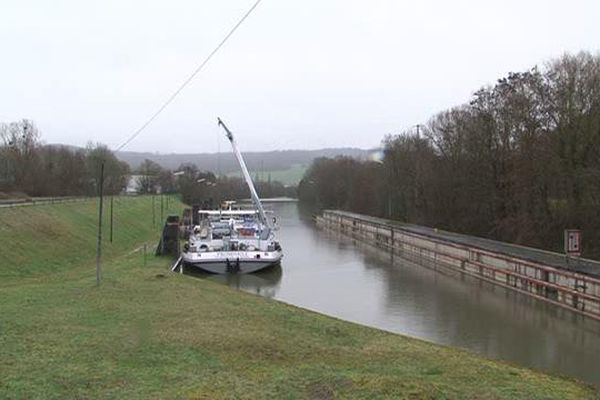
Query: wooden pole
point(99, 246)
point(111, 218)
point(162, 219)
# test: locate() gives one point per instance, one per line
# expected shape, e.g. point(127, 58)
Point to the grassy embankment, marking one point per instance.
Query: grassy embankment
point(147, 333)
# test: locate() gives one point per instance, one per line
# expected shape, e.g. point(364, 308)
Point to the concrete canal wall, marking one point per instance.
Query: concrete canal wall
point(573, 283)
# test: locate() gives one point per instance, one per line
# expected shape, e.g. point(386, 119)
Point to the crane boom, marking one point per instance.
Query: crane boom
point(253, 193)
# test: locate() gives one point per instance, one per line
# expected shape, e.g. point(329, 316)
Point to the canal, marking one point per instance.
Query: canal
point(334, 275)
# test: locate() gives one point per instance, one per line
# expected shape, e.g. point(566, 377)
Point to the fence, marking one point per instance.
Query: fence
point(38, 201)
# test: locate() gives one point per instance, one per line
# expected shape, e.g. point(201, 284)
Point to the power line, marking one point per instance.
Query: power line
point(189, 79)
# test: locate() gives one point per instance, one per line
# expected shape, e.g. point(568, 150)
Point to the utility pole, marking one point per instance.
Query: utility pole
point(111, 217)
point(99, 247)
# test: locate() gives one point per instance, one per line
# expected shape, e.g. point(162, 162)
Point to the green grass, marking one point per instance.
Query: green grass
point(42, 240)
point(290, 176)
point(147, 333)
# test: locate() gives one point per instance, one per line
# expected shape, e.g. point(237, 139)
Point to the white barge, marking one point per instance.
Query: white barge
point(232, 240)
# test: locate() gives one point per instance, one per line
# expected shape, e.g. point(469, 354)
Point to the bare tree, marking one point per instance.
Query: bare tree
point(519, 162)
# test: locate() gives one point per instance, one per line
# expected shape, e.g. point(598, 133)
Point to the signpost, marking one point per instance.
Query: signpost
point(572, 244)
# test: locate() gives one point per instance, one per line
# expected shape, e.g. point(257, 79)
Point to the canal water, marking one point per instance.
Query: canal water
point(334, 275)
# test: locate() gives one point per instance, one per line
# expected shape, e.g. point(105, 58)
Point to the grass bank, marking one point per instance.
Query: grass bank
point(39, 241)
point(147, 333)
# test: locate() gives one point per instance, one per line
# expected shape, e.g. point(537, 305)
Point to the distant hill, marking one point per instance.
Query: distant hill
point(283, 165)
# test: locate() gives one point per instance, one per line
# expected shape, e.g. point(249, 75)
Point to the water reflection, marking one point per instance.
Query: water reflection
point(330, 273)
point(264, 283)
point(470, 313)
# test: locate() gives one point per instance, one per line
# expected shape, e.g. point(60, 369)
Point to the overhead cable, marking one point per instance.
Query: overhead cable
point(188, 80)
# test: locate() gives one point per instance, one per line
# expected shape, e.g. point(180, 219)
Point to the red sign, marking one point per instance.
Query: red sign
point(573, 242)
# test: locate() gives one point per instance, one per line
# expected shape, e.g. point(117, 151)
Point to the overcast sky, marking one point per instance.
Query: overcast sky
point(298, 74)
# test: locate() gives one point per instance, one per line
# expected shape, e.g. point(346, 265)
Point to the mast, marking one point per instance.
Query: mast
point(253, 193)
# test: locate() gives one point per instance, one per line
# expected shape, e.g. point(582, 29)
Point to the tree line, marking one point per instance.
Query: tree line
point(208, 190)
point(520, 162)
point(200, 187)
point(28, 167)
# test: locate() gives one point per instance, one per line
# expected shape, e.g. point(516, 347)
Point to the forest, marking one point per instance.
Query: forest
point(520, 162)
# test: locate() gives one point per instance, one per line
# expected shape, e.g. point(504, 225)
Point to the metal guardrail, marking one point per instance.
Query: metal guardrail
point(578, 291)
point(39, 201)
point(524, 254)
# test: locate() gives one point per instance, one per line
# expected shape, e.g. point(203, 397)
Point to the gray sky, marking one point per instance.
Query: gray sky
point(297, 74)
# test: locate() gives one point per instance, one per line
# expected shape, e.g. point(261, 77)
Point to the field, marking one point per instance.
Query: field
point(290, 176)
point(148, 333)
